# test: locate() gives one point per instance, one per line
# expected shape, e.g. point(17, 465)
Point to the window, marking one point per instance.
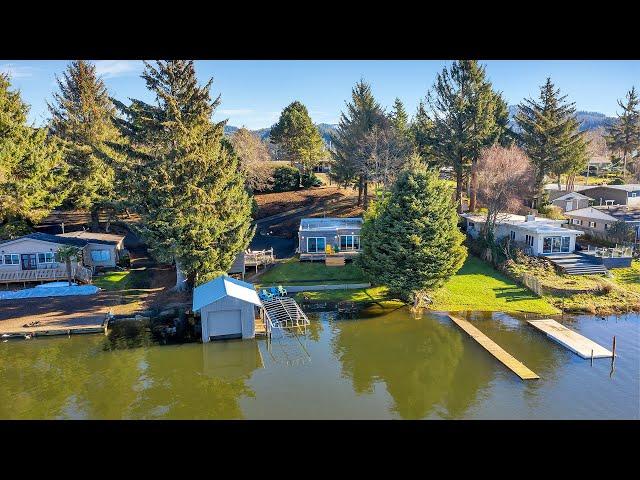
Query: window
point(349, 242)
point(606, 226)
point(592, 224)
point(529, 240)
point(575, 221)
point(47, 257)
point(12, 259)
point(512, 236)
point(100, 255)
point(472, 225)
point(634, 194)
point(316, 244)
point(556, 244)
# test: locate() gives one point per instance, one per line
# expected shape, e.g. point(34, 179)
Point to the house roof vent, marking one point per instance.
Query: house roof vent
point(530, 218)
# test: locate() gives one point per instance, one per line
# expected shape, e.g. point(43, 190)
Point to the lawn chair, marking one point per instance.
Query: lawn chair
point(274, 291)
point(282, 291)
point(265, 295)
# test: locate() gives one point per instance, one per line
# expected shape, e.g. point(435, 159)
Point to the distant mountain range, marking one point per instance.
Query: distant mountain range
point(325, 130)
point(588, 121)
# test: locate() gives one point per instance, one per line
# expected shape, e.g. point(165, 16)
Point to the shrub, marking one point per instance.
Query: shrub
point(310, 180)
point(617, 181)
point(285, 179)
point(551, 211)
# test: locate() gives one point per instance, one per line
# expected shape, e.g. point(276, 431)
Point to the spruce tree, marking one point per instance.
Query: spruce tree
point(363, 114)
point(190, 191)
point(81, 117)
point(399, 118)
point(624, 135)
point(467, 115)
point(549, 134)
point(410, 239)
point(297, 136)
point(32, 170)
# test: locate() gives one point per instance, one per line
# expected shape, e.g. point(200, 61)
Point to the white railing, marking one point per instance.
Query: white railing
point(260, 257)
point(284, 312)
point(78, 272)
point(610, 252)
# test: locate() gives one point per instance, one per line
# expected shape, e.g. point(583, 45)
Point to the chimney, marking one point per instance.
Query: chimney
point(530, 218)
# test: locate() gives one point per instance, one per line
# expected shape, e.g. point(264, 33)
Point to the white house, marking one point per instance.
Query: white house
point(538, 236)
point(228, 308)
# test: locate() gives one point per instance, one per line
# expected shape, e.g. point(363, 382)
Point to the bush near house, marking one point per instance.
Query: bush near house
point(286, 178)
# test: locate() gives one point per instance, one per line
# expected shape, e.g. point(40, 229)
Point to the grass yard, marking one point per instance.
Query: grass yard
point(374, 294)
point(628, 278)
point(478, 286)
point(294, 272)
point(122, 280)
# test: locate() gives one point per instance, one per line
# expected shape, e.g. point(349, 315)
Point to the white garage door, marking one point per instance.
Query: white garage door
point(225, 324)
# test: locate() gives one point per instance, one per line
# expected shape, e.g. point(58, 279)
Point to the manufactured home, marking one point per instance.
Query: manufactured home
point(319, 236)
point(536, 236)
point(571, 201)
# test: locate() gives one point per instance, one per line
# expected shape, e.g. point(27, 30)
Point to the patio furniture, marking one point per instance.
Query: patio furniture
point(274, 291)
point(282, 291)
point(266, 295)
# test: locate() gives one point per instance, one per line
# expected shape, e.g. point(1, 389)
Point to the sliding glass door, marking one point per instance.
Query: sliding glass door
point(316, 244)
point(556, 244)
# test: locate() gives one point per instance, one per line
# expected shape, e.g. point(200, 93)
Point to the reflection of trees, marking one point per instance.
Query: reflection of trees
point(416, 359)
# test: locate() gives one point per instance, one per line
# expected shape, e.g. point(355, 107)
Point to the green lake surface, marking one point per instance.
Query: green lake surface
point(383, 365)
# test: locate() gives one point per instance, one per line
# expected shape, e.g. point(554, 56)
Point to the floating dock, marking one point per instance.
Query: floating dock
point(570, 339)
point(496, 350)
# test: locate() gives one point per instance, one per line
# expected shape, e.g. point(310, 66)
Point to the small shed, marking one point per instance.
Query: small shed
point(228, 308)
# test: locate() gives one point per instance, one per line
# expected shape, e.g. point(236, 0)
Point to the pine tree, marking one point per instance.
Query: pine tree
point(81, 117)
point(362, 115)
point(549, 134)
point(399, 118)
point(32, 169)
point(190, 192)
point(298, 137)
point(467, 115)
point(411, 241)
point(624, 135)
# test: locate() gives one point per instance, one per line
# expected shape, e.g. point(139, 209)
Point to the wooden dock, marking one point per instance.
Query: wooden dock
point(570, 339)
point(496, 350)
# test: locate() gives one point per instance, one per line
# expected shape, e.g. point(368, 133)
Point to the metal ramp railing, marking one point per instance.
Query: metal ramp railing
point(284, 312)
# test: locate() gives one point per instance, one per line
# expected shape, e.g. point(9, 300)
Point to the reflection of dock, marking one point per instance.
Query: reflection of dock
point(496, 350)
point(570, 339)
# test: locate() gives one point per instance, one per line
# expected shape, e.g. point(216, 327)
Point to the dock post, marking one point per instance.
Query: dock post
point(613, 350)
point(592, 357)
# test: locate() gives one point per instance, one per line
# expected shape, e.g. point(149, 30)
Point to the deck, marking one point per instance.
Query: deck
point(496, 350)
point(78, 273)
point(321, 257)
point(570, 339)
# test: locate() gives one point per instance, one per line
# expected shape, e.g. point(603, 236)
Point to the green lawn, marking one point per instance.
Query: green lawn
point(478, 286)
point(122, 280)
point(294, 272)
point(628, 277)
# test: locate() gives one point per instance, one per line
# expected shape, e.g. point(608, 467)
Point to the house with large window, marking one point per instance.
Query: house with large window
point(319, 236)
point(597, 221)
point(537, 236)
point(38, 251)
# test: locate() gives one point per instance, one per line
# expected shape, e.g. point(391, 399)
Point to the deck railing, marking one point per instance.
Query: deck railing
point(610, 252)
point(78, 272)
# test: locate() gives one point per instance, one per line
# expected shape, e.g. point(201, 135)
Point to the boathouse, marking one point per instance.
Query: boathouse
point(228, 308)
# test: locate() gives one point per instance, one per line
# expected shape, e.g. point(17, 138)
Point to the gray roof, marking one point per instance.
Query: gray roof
point(221, 287)
point(622, 213)
point(329, 223)
point(572, 196)
point(629, 187)
point(46, 237)
point(590, 212)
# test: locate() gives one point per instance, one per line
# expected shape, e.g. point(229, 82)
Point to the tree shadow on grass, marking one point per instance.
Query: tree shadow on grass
point(512, 294)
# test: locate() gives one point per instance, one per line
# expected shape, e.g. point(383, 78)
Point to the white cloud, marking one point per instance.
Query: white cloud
point(236, 111)
point(15, 71)
point(117, 68)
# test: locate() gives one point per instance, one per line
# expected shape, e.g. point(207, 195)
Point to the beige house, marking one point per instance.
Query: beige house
point(591, 220)
point(571, 201)
point(38, 251)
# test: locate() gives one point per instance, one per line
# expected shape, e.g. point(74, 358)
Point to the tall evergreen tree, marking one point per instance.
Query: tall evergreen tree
point(298, 137)
point(624, 135)
point(549, 134)
point(81, 117)
point(399, 118)
point(352, 164)
point(411, 241)
point(32, 170)
point(190, 192)
point(467, 115)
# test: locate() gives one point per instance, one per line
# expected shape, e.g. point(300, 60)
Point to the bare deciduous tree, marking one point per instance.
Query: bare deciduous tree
point(505, 180)
point(254, 159)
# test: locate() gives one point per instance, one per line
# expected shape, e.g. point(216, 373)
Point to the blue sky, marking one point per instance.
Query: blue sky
point(254, 92)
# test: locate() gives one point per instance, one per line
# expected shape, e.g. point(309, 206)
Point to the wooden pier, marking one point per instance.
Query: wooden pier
point(496, 350)
point(572, 340)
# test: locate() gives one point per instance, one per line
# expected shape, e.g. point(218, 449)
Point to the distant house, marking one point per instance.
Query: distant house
point(537, 236)
point(570, 201)
point(597, 221)
point(316, 236)
point(39, 250)
point(628, 194)
point(228, 308)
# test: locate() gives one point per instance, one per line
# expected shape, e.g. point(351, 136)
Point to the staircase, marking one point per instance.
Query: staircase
point(334, 261)
point(577, 264)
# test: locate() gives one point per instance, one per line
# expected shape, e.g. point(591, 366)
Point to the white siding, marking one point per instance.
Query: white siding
point(230, 303)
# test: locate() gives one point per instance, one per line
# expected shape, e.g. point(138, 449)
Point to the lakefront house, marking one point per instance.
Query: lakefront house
point(319, 236)
point(537, 236)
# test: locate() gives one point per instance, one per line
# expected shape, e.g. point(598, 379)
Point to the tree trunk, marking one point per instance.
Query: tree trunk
point(181, 279)
point(360, 190)
point(69, 279)
point(95, 219)
point(624, 167)
point(473, 186)
point(459, 190)
point(365, 192)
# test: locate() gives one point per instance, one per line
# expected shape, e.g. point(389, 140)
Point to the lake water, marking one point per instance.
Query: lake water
point(386, 364)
